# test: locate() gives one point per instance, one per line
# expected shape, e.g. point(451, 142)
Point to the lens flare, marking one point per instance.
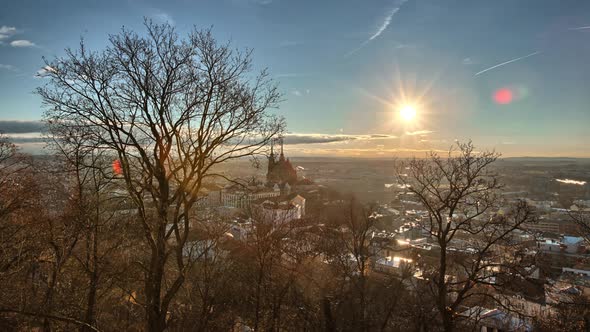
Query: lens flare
point(503, 96)
point(117, 168)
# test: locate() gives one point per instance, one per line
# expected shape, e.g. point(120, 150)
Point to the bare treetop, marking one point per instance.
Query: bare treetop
point(460, 193)
point(169, 109)
point(146, 96)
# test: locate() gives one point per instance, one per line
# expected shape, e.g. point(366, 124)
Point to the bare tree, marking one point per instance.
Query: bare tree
point(582, 219)
point(350, 252)
point(361, 298)
point(169, 110)
point(208, 298)
point(97, 214)
point(12, 167)
point(18, 227)
point(268, 267)
point(460, 195)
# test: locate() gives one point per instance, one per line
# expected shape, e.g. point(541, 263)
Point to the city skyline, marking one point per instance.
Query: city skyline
point(509, 76)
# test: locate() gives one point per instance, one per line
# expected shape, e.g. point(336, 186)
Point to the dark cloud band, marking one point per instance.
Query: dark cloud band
point(292, 139)
point(20, 127)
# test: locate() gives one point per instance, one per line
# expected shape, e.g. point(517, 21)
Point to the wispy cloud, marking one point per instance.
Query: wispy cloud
point(315, 138)
point(404, 46)
point(469, 61)
point(253, 2)
point(22, 43)
point(300, 93)
point(291, 75)
point(507, 62)
point(382, 27)
point(332, 138)
point(580, 28)
point(162, 17)
point(419, 132)
point(7, 32)
point(44, 71)
point(7, 67)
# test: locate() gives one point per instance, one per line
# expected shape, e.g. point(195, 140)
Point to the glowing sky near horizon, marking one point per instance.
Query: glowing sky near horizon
point(510, 75)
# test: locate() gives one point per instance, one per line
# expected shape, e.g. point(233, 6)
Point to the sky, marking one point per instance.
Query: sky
point(511, 75)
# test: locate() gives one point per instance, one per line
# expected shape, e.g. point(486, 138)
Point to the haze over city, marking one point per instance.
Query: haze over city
point(509, 75)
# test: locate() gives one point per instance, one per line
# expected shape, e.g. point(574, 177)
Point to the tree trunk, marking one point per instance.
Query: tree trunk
point(156, 321)
point(363, 304)
point(448, 322)
point(258, 297)
point(91, 304)
point(92, 289)
point(156, 314)
point(446, 315)
point(329, 321)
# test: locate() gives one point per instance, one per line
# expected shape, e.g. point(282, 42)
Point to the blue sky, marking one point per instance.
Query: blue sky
point(345, 66)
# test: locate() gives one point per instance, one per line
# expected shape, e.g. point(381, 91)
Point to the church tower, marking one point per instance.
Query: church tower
point(282, 156)
point(271, 164)
point(280, 171)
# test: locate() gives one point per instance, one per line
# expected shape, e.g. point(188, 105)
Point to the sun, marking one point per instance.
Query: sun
point(407, 112)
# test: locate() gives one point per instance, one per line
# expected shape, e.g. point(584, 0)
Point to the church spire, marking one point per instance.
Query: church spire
point(282, 156)
point(280, 171)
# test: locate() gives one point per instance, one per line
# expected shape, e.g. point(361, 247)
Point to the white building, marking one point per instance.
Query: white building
point(284, 209)
point(566, 244)
point(243, 199)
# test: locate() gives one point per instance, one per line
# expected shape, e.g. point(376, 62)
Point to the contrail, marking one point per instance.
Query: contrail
point(381, 28)
point(385, 23)
point(507, 62)
point(580, 28)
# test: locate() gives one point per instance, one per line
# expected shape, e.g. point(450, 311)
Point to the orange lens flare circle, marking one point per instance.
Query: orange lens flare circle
point(117, 168)
point(503, 96)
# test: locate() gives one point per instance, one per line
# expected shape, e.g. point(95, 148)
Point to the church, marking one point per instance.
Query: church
point(280, 171)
